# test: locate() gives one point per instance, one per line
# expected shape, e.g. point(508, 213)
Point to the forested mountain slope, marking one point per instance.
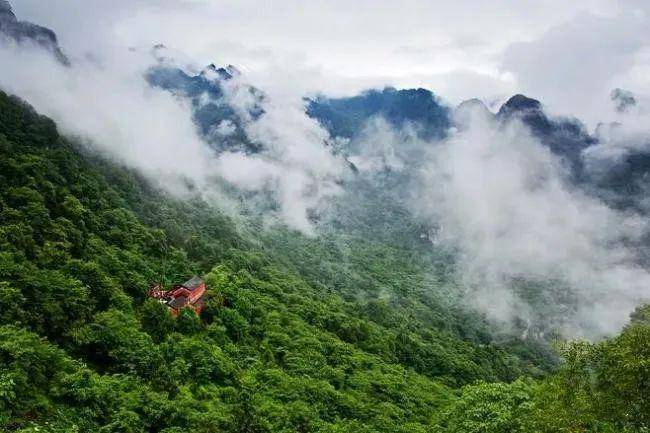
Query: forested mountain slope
point(332, 333)
point(82, 347)
point(82, 239)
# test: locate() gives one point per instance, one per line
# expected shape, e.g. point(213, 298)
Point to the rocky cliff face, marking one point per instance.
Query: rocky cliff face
point(23, 32)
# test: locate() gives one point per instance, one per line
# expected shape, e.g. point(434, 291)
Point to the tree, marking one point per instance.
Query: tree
point(490, 408)
point(187, 321)
point(156, 319)
point(115, 341)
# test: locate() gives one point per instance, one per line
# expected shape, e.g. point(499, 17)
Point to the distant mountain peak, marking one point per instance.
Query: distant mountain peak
point(472, 103)
point(224, 73)
point(528, 110)
point(565, 137)
point(419, 108)
point(468, 109)
point(232, 70)
point(519, 103)
point(5, 8)
point(21, 31)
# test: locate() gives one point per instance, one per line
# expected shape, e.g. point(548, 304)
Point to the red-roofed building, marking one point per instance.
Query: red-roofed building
point(189, 294)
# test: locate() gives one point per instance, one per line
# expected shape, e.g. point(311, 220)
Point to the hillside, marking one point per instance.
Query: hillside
point(321, 239)
point(81, 241)
point(326, 334)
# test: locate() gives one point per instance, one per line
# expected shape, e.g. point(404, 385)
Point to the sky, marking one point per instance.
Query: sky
point(568, 54)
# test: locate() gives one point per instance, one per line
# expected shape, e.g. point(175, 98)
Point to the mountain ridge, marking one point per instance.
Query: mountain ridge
point(363, 325)
point(24, 31)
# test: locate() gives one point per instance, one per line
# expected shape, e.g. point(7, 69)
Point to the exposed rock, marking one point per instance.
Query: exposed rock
point(22, 32)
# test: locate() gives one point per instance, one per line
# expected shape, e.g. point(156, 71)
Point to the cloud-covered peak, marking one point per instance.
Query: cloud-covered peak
point(26, 32)
point(5, 9)
point(519, 103)
point(212, 71)
point(418, 108)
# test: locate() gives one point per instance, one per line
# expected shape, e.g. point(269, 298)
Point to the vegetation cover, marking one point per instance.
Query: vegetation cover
point(343, 332)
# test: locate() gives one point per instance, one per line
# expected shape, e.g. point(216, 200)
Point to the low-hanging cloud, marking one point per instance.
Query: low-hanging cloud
point(497, 196)
point(106, 102)
point(502, 201)
point(110, 107)
point(531, 247)
point(295, 161)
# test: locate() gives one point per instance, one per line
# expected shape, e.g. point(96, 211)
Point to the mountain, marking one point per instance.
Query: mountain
point(22, 32)
point(421, 110)
point(319, 334)
point(220, 123)
point(623, 180)
point(287, 319)
point(463, 113)
point(361, 327)
point(345, 117)
point(211, 91)
point(223, 124)
point(566, 138)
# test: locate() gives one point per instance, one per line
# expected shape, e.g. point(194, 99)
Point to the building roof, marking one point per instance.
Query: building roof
point(179, 302)
point(193, 283)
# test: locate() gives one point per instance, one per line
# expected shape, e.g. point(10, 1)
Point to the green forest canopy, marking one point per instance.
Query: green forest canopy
point(338, 333)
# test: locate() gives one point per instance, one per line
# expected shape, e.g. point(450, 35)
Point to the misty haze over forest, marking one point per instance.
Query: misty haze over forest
point(459, 200)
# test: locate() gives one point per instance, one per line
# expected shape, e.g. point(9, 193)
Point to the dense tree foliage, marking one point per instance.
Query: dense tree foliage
point(338, 333)
point(602, 387)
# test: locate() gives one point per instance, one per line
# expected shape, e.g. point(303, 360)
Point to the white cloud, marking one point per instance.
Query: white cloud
point(108, 104)
point(381, 147)
point(225, 128)
point(574, 66)
point(334, 46)
point(294, 159)
point(498, 195)
point(501, 199)
point(115, 110)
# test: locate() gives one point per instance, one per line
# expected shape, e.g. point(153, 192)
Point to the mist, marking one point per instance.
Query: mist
point(530, 244)
point(105, 102)
point(504, 203)
point(296, 161)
